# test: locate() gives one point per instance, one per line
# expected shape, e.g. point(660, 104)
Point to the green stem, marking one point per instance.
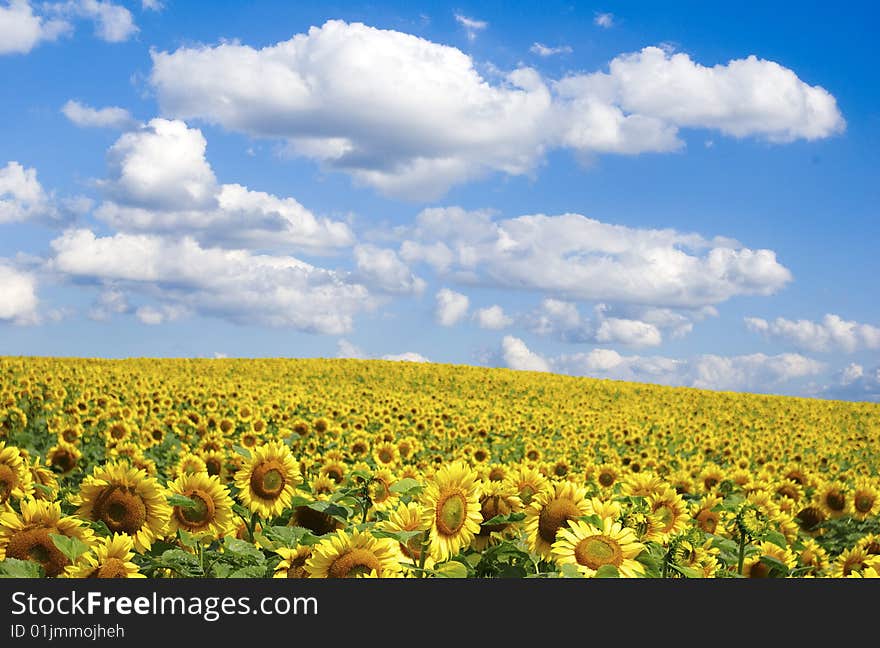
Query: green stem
point(742, 552)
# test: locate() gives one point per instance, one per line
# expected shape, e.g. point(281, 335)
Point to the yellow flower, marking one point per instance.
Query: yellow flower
point(268, 481)
point(212, 514)
point(452, 509)
point(589, 548)
point(344, 555)
point(109, 558)
point(549, 512)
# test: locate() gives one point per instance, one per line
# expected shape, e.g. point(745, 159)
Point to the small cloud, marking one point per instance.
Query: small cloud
point(604, 20)
point(543, 50)
point(408, 356)
point(87, 117)
point(709, 143)
point(153, 5)
point(471, 25)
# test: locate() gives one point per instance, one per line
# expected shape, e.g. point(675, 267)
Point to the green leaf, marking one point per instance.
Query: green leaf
point(402, 537)
point(330, 508)
point(72, 547)
point(595, 520)
point(182, 562)
point(244, 452)
point(776, 538)
point(242, 550)
point(687, 572)
point(505, 519)
point(405, 486)
point(280, 536)
point(607, 571)
point(182, 501)
point(45, 490)
point(570, 571)
point(252, 571)
point(188, 539)
point(451, 569)
point(15, 568)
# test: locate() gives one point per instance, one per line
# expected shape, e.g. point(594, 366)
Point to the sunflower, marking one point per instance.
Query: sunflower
point(548, 513)
point(268, 481)
point(813, 556)
point(607, 476)
point(834, 499)
point(293, 562)
point(126, 500)
point(117, 432)
point(754, 567)
point(642, 484)
point(604, 508)
point(855, 559)
point(45, 483)
point(526, 482)
point(212, 514)
point(215, 463)
point(386, 455)
point(323, 487)
point(409, 517)
point(26, 536)
point(15, 477)
point(318, 522)
point(588, 548)
point(810, 519)
point(669, 516)
point(865, 500)
point(495, 500)
point(380, 489)
point(334, 469)
point(63, 457)
point(706, 515)
point(189, 464)
point(344, 555)
point(109, 558)
point(452, 507)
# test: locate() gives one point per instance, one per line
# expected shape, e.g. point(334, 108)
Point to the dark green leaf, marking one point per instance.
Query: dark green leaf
point(15, 568)
point(607, 571)
point(182, 501)
point(72, 547)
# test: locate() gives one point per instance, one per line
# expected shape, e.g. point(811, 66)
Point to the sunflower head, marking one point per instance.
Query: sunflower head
point(268, 481)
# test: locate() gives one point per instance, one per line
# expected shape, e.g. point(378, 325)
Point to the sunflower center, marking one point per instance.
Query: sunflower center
point(759, 570)
point(496, 474)
point(490, 507)
point(606, 479)
point(560, 470)
point(665, 516)
point(810, 518)
point(864, 503)
point(36, 545)
point(112, 568)
point(532, 455)
point(297, 568)
point(317, 522)
point(451, 513)
point(63, 460)
point(198, 516)
point(835, 501)
point(267, 480)
point(707, 520)
point(213, 465)
point(595, 551)
point(122, 510)
point(334, 473)
point(354, 563)
point(556, 513)
point(385, 455)
point(380, 491)
point(8, 481)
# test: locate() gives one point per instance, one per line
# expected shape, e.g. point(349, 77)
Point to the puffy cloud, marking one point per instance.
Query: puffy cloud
point(628, 332)
point(492, 318)
point(87, 117)
point(21, 30)
point(755, 372)
point(346, 349)
point(577, 258)
point(424, 119)
point(232, 284)
point(408, 356)
point(604, 20)
point(113, 23)
point(516, 355)
point(18, 296)
point(471, 25)
point(161, 182)
point(831, 334)
point(382, 269)
point(152, 5)
point(854, 382)
point(153, 316)
point(543, 50)
point(22, 196)
point(110, 302)
point(451, 307)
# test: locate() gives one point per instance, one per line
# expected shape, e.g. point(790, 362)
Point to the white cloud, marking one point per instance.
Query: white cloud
point(605, 20)
point(382, 269)
point(628, 332)
point(87, 117)
point(471, 25)
point(153, 316)
point(516, 355)
point(231, 284)
point(346, 349)
point(577, 258)
point(21, 30)
point(831, 334)
point(412, 118)
point(854, 382)
point(451, 307)
point(22, 197)
point(408, 356)
point(492, 318)
point(756, 372)
point(18, 296)
point(543, 50)
point(161, 182)
point(113, 23)
point(110, 302)
point(152, 5)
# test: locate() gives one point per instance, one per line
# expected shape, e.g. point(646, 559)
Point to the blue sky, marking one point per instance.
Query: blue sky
point(684, 195)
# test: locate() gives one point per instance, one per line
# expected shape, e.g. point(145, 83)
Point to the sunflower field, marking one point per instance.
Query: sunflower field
point(352, 468)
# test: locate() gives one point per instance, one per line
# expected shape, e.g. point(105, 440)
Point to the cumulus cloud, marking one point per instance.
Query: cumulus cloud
point(543, 50)
point(113, 23)
point(21, 194)
point(516, 355)
point(492, 318)
point(18, 295)
point(235, 285)
point(152, 5)
point(451, 307)
point(577, 258)
point(21, 30)
point(153, 316)
point(471, 26)
point(755, 372)
point(833, 333)
point(605, 20)
point(412, 118)
point(382, 269)
point(346, 349)
point(408, 356)
point(87, 117)
point(628, 332)
point(110, 302)
point(161, 182)
point(854, 382)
